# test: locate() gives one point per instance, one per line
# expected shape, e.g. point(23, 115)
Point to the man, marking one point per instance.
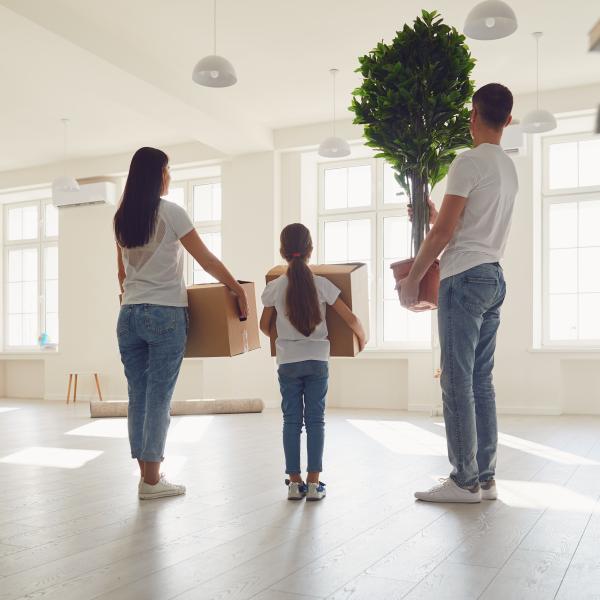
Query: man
point(472, 226)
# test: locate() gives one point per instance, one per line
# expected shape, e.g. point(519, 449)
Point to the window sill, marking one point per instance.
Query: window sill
point(565, 350)
point(386, 354)
point(27, 354)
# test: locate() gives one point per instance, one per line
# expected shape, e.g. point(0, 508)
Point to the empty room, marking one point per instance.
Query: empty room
point(299, 300)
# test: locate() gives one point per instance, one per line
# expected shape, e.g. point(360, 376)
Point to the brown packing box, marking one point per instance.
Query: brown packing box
point(353, 282)
point(215, 326)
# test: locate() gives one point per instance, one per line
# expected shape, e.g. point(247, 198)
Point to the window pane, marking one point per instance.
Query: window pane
point(389, 282)
point(30, 296)
point(563, 225)
point(563, 271)
point(52, 296)
point(30, 222)
point(52, 327)
point(30, 330)
point(419, 326)
point(203, 202)
point(51, 221)
point(562, 167)
point(15, 330)
point(395, 322)
point(336, 241)
point(176, 195)
point(589, 270)
point(15, 298)
point(15, 228)
point(359, 186)
point(589, 162)
point(589, 317)
point(392, 192)
point(213, 243)
point(51, 262)
point(30, 264)
point(336, 188)
point(589, 222)
point(217, 210)
point(15, 265)
point(563, 317)
point(359, 240)
point(396, 237)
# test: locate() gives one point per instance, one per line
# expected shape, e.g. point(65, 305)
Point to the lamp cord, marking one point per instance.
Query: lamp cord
point(215, 26)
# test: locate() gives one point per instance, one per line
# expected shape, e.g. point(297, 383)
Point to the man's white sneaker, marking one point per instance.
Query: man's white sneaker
point(162, 489)
point(316, 491)
point(449, 491)
point(296, 490)
point(489, 490)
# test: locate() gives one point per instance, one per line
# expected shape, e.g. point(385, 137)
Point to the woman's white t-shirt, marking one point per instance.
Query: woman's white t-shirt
point(291, 345)
point(154, 272)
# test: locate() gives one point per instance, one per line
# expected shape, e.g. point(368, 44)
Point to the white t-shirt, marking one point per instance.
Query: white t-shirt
point(487, 177)
point(154, 272)
point(291, 345)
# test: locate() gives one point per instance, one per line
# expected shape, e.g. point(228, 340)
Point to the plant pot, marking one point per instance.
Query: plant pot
point(429, 287)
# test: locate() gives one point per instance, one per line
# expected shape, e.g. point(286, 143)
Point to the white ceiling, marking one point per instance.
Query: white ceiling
point(121, 70)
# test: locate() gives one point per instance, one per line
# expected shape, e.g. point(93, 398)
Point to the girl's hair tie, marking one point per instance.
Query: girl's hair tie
point(296, 254)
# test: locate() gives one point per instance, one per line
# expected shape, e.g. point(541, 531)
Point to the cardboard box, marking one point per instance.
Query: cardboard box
point(215, 326)
point(353, 281)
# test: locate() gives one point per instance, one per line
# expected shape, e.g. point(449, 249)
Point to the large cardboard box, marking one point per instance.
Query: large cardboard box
point(215, 326)
point(353, 281)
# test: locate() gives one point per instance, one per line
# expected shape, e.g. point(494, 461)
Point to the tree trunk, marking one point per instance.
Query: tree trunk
point(419, 193)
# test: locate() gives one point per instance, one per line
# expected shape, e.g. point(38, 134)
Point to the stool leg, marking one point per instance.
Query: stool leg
point(98, 385)
point(75, 389)
point(69, 388)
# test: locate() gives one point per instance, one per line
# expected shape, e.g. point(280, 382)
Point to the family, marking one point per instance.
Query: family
point(470, 232)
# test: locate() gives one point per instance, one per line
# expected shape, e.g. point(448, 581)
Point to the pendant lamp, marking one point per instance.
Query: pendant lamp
point(490, 20)
point(334, 147)
point(65, 183)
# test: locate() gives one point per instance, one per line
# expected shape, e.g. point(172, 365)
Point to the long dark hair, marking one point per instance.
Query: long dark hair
point(302, 301)
point(135, 218)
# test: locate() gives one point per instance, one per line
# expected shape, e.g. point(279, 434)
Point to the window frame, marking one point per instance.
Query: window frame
point(39, 243)
point(377, 211)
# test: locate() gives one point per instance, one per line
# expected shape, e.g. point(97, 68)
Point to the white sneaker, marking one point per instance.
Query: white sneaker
point(449, 491)
point(296, 490)
point(489, 490)
point(162, 489)
point(316, 491)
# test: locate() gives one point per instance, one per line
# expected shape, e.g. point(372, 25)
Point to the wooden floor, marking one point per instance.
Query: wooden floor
point(72, 528)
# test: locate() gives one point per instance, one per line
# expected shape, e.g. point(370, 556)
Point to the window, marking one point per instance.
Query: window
point(30, 273)
point(201, 198)
point(571, 239)
point(363, 218)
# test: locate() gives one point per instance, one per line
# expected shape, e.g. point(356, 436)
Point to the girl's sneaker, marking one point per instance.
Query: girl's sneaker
point(162, 489)
point(296, 490)
point(316, 491)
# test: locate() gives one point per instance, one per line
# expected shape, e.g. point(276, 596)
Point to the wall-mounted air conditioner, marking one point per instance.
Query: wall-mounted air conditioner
point(513, 139)
point(101, 192)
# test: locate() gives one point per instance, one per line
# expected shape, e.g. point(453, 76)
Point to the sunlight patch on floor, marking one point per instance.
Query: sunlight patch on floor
point(189, 429)
point(4, 409)
point(402, 437)
point(63, 458)
point(106, 428)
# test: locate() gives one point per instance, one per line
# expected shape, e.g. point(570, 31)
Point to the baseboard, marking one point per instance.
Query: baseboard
point(501, 410)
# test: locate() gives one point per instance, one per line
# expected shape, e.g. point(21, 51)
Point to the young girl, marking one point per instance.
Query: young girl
point(295, 312)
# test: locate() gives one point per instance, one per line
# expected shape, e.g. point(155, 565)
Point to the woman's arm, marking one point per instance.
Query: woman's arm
point(341, 308)
point(268, 320)
point(213, 266)
point(121, 268)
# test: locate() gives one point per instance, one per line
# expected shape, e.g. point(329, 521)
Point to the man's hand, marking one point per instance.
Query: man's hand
point(408, 292)
point(433, 213)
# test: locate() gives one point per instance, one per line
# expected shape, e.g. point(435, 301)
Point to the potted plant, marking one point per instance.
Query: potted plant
point(413, 105)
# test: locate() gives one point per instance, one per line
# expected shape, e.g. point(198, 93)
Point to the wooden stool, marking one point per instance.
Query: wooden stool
point(76, 376)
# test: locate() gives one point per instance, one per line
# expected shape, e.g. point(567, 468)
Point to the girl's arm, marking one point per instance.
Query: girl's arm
point(268, 320)
point(213, 266)
point(341, 308)
point(121, 268)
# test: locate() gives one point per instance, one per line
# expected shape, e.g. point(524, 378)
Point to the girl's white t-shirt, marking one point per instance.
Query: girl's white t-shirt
point(154, 272)
point(291, 345)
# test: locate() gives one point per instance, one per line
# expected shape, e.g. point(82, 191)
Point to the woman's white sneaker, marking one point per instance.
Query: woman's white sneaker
point(316, 491)
point(449, 491)
point(162, 489)
point(296, 490)
point(489, 490)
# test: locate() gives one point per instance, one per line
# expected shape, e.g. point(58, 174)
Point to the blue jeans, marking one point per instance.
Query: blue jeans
point(152, 342)
point(468, 320)
point(303, 391)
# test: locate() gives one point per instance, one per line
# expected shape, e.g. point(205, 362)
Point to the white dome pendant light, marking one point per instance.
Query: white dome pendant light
point(490, 20)
point(334, 147)
point(538, 120)
point(65, 183)
point(213, 70)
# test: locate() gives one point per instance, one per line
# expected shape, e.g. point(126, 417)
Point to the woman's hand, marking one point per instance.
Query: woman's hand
point(242, 300)
point(433, 213)
point(362, 341)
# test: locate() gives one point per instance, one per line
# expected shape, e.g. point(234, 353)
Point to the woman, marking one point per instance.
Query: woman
point(151, 234)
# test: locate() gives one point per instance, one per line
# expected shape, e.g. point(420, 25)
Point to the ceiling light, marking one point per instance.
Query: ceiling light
point(65, 183)
point(490, 20)
point(334, 147)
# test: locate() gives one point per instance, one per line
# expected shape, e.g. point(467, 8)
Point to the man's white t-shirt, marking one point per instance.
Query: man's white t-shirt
point(291, 345)
point(487, 177)
point(154, 272)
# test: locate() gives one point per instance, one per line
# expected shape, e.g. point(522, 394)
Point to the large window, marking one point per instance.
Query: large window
point(30, 274)
point(201, 198)
point(363, 218)
point(571, 256)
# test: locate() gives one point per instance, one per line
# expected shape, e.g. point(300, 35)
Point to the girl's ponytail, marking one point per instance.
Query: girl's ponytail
point(302, 300)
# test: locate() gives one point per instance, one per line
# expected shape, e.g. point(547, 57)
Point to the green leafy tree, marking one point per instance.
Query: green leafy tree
point(413, 105)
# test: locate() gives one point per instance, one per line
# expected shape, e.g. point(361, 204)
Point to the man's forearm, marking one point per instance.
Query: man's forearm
point(431, 248)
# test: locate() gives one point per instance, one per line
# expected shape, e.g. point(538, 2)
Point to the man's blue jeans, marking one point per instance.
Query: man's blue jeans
point(468, 320)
